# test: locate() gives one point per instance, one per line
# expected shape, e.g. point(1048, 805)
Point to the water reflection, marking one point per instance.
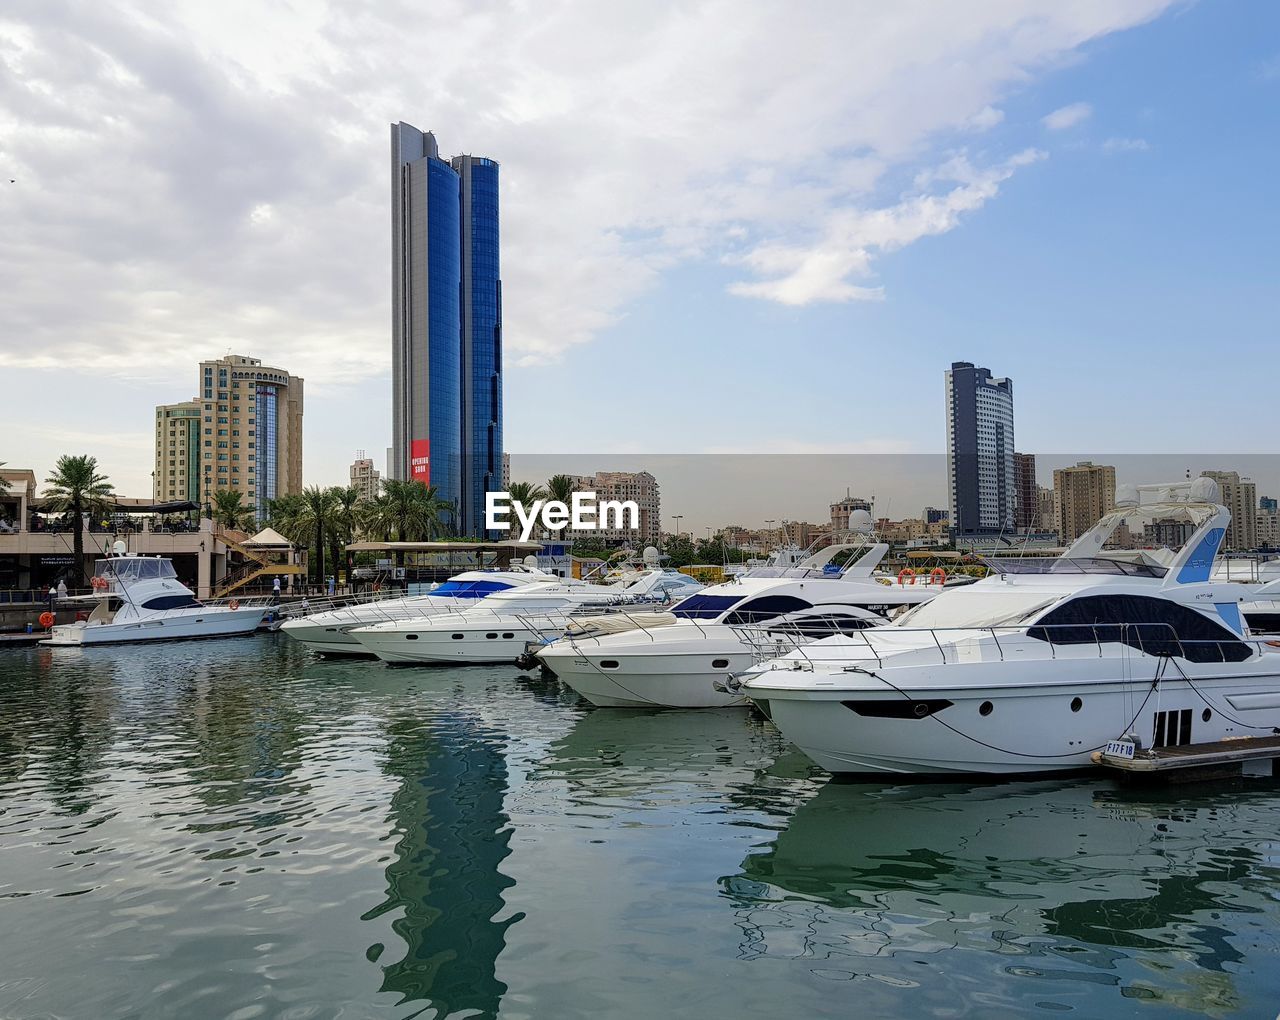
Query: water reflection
point(444, 883)
point(1085, 880)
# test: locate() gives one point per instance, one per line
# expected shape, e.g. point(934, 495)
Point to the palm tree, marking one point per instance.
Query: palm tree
point(229, 510)
point(560, 488)
point(303, 518)
point(343, 523)
point(406, 511)
point(526, 493)
point(75, 488)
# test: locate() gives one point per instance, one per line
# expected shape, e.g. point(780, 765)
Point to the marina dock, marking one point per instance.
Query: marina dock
point(1211, 760)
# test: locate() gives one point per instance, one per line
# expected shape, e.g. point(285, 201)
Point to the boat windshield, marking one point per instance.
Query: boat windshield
point(1074, 565)
point(969, 607)
point(469, 589)
point(134, 568)
point(705, 607)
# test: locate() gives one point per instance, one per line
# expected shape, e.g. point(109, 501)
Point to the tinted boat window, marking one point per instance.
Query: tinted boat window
point(705, 607)
point(1155, 626)
point(170, 602)
point(469, 589)
point(766, 608)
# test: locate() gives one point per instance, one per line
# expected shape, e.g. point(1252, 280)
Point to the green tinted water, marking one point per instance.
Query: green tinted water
point(237, 829)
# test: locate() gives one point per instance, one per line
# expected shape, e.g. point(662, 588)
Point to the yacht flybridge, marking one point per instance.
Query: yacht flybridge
point(329, 633)
point(1036, 667)
point(139, 598)
point(674, 659)
point(498, 628)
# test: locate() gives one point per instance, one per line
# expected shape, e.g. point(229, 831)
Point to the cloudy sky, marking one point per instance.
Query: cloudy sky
point(727, 227)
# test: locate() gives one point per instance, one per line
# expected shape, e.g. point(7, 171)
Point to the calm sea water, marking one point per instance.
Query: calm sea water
point(235, 829)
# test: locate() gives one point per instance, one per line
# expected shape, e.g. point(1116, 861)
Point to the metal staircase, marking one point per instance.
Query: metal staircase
point(259, 564)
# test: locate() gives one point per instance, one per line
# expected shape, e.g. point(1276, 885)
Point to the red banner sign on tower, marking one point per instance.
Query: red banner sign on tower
point(420, 461)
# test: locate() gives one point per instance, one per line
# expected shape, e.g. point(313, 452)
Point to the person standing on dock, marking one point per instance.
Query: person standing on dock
point(62, 588)
point(275, 590)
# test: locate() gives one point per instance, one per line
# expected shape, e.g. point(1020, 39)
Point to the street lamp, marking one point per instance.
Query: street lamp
point(678, 518)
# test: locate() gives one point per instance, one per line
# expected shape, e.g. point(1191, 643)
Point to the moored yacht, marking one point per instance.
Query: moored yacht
point(329, 632)
point(498, 628)
point(139, 598)
point(674, 660)
point(1041, 664)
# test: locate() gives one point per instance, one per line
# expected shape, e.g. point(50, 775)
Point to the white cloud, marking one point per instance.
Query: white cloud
point(853, 237)
point(1125, 145)
point(1067, 116)
point(193, 177)
point(985, 119)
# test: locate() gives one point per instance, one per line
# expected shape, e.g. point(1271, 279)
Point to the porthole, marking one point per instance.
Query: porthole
point(719, 663)
point(411, 637)
point(1076, 704)
point(491, 637)
point(1207, 714)
point(507, 635)
point(458, 637)
point(608, 663)
point(919, 709)
point(986, 708)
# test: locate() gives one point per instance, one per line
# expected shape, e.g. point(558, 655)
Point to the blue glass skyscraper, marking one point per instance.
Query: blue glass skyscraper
point(481, 338)
point(446, 323)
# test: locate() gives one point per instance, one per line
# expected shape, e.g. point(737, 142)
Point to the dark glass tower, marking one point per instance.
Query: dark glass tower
point(446, 323)
point(481, 339)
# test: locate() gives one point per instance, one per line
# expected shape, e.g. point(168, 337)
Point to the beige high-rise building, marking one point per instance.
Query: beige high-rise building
point(639, 486)
point(1268, 529)
point(1240, 496)
point(1082, 495)
point(364, 477)
point(177, 471)
point(1047, 509)
point(247, 435)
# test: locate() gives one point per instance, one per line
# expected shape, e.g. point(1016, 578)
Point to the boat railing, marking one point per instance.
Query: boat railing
point(550, 627)
point(1156, 639)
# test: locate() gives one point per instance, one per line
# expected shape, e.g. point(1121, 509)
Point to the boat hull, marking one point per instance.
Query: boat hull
point(499, 642)
point(663, 680)
point(212, 624)
point(1053, 724)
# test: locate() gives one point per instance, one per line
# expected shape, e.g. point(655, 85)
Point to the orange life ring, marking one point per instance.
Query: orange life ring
point(906, 576)
point(233, 605)
point(937, 575)
point(47, 619)
point(99, 583)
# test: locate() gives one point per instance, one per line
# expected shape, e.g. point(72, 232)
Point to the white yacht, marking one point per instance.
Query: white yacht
point(139, 598)
point(1038, 666)
point(329, 632)
point(498, 628)
point(673, 660)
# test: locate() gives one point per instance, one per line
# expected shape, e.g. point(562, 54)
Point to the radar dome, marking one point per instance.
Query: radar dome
point(860, 521)
point(119, 549)
point(650, 556)
point(531, 562)
point(1126, 495)
point(1204, 490)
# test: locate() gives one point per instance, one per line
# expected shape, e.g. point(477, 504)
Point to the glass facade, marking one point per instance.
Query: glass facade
point(446, 322)
point(444, 365)
point(482, 341)
point(264, 409)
